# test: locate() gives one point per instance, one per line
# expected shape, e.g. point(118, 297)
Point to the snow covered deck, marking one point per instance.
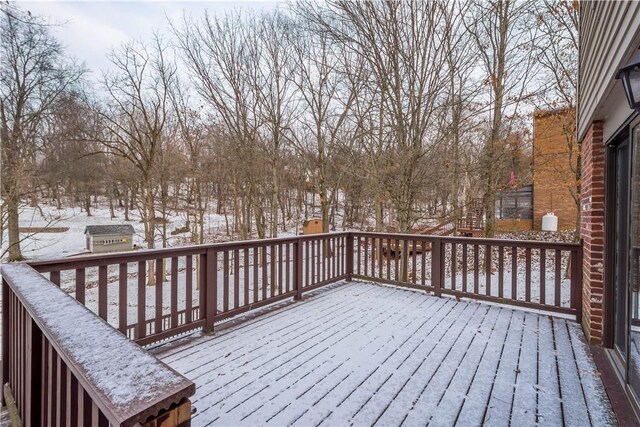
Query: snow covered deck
point(365, 354)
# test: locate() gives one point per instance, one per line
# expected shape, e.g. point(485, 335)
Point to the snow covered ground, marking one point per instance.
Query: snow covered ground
point(47, 245)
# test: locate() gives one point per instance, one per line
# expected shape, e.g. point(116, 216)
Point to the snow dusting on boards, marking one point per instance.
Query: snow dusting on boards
point(366, 354)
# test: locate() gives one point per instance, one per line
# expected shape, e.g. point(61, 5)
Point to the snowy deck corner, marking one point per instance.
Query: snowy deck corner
point(127, 384)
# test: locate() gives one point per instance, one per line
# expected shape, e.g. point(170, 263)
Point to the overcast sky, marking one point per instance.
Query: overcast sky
point(93, 27)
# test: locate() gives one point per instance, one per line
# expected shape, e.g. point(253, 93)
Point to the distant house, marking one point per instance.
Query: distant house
point(555, 164)
point(109, 238)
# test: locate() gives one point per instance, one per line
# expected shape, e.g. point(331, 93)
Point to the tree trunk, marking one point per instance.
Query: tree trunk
point(15, 254)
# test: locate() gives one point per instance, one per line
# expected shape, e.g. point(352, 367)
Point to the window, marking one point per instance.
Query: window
point(515, 204)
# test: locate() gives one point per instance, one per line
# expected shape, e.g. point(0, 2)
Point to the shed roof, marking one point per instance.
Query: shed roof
point(96, 230)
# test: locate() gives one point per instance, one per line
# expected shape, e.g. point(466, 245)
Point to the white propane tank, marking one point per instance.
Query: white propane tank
point(550, 222)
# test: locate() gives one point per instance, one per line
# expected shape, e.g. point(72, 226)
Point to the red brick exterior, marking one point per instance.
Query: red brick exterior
point(592, 231)
point(555, 159)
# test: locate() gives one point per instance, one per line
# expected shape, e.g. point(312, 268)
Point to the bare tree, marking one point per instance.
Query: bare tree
point(504, 37)
point(557, 53)
point(33, 74)
point(217, 52)
point(135, 117)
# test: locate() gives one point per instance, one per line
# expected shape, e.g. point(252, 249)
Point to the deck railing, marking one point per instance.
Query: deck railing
point(64, 366)
point(201, 285)
point(538, 275)
point(152, 295)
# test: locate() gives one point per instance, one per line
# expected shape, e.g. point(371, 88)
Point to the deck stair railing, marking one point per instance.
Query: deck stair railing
point(150, 296)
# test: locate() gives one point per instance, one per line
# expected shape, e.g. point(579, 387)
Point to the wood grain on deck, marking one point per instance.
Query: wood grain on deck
point(367, 354)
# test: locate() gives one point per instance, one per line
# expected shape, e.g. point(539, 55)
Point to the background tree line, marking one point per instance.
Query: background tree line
point(367, 114)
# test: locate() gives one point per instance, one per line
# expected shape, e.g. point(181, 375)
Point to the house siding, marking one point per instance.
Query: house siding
point(609, 37)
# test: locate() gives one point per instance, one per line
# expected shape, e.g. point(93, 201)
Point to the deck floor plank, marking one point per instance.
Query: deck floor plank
point(348, 346)
point(574, 404)
point(369, 354)
point(393, 370)
point(525, 398)
point(356, 369)
point(470, 371)
point(549, 399)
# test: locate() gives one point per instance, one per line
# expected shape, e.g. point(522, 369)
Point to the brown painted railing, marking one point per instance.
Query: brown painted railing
point(65, 366)
point(537, 275)
point(201, 285)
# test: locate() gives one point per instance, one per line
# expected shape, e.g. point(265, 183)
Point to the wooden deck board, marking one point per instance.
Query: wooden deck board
point(366, 354)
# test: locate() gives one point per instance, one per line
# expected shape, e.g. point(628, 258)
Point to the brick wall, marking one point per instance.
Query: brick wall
point(555, 155)
point(592, 231)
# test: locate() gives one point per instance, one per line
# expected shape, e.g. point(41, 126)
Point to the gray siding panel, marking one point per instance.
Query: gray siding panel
point(609, 35)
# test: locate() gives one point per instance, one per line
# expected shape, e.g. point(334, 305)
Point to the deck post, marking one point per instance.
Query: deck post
point(436, 265)
point(211, 290)
point(576, 282)
point(350, 255)
point(297, 269)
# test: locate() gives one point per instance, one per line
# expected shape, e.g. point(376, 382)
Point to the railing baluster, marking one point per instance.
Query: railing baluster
point(55, 277)
point(255, 275)
point(436, 266)
point(464, 267)
point(159, 288)
point(211, 299)
point(388, 260)
point(245, 262)
point(308, 262)
point(320, 257)
point(558, 278)
point(80, 285)
point(312, 262)
point(487, 272)
point(102, 292)
point(61, 390)
point(265, 276)
point(188, 290)
point(424, 263)
point(280, 269)
point(122, 297)
point(297, 268)
point(514, 273)
point(476, 269)
point(380, 249)
point(174, 292)
point(414, 260)
point(225, 281)
point(236, 278)
point(543, 273)
point(500, 271)
point(454, 265)
point(358, 244)
point(141, 325)
point(397, 255)
point(273, 279)
point(528, 274)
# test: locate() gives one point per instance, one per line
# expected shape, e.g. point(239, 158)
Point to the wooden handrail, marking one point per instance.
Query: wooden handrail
point(127, 384)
